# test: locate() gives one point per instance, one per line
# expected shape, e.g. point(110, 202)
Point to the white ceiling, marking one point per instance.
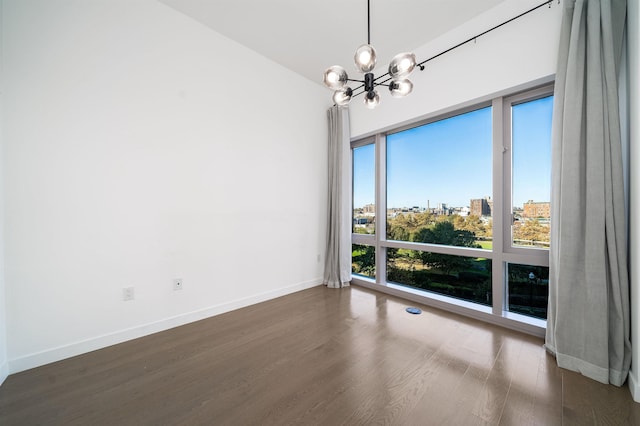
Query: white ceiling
point(307, 36)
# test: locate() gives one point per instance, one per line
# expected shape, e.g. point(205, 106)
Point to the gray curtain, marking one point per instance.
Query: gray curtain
point(588, 317)
point(337, 264)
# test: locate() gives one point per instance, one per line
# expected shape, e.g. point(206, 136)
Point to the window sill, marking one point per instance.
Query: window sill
point(513, 321)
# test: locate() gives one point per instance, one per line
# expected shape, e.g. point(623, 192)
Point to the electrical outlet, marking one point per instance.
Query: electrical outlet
point(177, 284)
point(127, 293)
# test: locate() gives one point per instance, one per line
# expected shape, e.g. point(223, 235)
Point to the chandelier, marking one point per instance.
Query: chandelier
point(336, 78)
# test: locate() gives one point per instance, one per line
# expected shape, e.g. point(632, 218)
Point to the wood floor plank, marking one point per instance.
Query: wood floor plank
point(317, 357)
point(589, 402)
point(519, 407)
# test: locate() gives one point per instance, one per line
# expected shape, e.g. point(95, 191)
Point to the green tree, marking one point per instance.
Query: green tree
point(402, 226)
point(474, 224)
point(445, 233)
point(531, 230)
point(364, 260)
point(459, 222)
point(397, 232)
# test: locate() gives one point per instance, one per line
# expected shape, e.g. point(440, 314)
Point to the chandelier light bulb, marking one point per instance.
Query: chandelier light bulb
point(365, 58)
point(371, 99)
point(400, 88)
point(402, 65)
point(343, 96)
point(335, 77)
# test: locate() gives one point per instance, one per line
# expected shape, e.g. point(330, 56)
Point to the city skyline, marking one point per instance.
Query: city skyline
point(459, 153)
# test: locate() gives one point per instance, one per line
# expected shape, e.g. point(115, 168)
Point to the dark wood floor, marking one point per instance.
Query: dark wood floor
point(320, 356)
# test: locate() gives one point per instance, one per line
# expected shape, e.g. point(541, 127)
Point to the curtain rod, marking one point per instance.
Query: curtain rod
point(548, 2)
point(475, 37)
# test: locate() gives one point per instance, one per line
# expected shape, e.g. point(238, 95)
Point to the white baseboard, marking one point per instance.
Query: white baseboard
point(634, 386)
point(73, 349)
point(4, 372)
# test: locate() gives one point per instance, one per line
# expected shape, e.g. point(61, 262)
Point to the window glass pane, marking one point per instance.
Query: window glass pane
point(363, 260)
point(364, 189)
point(528, 288)
point(531, 172)
point(456, 276)
point(441, 173)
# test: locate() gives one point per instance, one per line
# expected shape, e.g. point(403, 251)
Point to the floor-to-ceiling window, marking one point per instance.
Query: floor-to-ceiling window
point(527, 189)
point(457, 207)
point(434, 175)
point(364, 209)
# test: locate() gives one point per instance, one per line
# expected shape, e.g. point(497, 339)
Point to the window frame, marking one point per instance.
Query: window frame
point(502, 252)
point(366, 239)
point(536, 254)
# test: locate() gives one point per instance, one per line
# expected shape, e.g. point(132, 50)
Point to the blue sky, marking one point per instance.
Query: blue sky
point(532, 151)
point(450, 161)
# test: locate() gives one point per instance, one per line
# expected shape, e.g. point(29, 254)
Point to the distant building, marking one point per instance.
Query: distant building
point(442, 210)
point(369, 208)
point(481, 207)
point(461, 211)
point(533, 209)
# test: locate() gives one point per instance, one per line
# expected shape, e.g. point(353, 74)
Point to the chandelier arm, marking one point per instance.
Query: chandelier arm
point(382, 83)
point(359, 93)
point(386, 74)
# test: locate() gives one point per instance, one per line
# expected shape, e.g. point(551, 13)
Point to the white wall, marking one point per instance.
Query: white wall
point(518, 53)
point(141, 146)
point(4, 365)
point(633, 58)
